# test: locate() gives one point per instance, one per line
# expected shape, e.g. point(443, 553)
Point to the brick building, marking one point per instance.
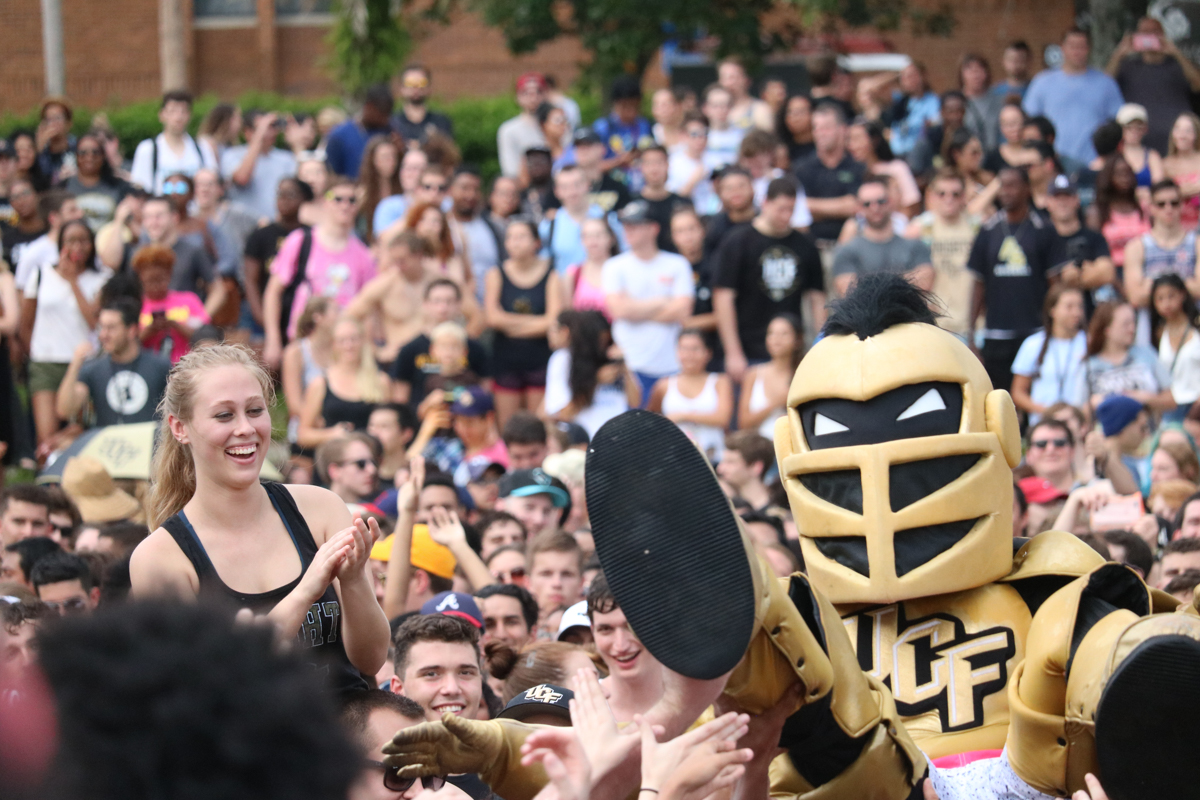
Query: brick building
point(112, 55)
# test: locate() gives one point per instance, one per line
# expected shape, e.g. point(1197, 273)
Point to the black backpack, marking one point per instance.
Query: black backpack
point(288, 299)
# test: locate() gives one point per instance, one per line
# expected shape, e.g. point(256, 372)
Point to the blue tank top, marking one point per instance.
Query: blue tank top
point(1180, 260)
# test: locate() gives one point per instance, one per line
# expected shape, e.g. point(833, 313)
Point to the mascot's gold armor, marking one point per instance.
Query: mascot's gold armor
point(945, 627)
point(920, 626)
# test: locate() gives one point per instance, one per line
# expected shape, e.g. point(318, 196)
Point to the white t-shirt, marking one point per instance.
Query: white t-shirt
point(608, 401)
point(58, 324)
point(33, 255)
point(196, 154)
point(680, 169)
point(649, 347)
point(1184, 366)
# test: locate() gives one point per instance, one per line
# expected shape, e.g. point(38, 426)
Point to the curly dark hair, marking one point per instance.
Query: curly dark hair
point(172, 700)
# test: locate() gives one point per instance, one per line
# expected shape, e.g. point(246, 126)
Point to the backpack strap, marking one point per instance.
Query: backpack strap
point(154, 164)
point(301, 272)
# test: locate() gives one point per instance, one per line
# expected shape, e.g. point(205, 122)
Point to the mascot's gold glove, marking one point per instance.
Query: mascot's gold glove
point(454, 746)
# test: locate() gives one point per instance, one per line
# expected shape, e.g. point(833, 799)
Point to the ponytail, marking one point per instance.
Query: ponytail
point(173, 470)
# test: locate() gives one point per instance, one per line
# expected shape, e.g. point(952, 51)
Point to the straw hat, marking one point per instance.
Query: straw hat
point(87, 482)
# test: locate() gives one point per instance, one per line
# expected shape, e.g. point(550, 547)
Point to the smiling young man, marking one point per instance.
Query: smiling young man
point(437, 665)
point(635, 678)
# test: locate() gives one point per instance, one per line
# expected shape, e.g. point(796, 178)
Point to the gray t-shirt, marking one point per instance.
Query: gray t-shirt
point(269, 169)
point(124, 393)
point(860, 256)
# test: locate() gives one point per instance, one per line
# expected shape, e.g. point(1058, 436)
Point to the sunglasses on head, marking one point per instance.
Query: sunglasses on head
point(175, 187)
point(1044, 443)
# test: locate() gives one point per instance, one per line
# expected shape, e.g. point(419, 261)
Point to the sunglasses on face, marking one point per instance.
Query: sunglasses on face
point(1044, 443)
point(393, 782)
point(415, 83)
point(343, 199)
point(1167, 203)
point(175, 187)
point(880, 202)
point(73, 606)
point(512, 576)
point(89, 151)
point(361, 463)
point(434, 187)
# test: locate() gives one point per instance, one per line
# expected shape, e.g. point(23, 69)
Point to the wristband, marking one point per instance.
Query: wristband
point(646, 789)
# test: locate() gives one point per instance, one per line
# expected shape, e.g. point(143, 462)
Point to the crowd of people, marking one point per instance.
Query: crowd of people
point(445, 349)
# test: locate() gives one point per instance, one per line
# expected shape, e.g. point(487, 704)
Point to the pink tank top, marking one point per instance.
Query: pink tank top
point(586, 296)
point(1121, 228)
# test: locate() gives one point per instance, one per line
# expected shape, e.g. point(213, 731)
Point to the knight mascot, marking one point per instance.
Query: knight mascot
point(921, 633)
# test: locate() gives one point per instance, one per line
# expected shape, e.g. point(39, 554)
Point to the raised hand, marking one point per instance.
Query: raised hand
point(362, 535)
point(445, 527)
point(698, 762)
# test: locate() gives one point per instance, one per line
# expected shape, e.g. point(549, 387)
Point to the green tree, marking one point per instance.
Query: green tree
point(623, 36)
point(368, 43)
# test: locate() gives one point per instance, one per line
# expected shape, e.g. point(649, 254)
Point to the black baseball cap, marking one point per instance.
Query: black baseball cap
point(545, 698)
point(586, 136)
point(636, 213)
point(1063, 185)
point(7, 150)
point(576, 433)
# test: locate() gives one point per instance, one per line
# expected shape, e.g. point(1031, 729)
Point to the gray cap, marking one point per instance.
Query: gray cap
point(636, 213)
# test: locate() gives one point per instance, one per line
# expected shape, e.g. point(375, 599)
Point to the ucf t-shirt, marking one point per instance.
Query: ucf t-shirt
point(124, 393)
point(1014, 263)
point(770, 276)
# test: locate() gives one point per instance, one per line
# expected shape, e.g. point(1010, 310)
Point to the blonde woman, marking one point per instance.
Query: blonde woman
point(343, 398)
point(291, 553)
point(1182, 164)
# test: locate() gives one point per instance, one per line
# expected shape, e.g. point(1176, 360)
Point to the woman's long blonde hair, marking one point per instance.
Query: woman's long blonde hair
point(368, 376)
point(173, 471)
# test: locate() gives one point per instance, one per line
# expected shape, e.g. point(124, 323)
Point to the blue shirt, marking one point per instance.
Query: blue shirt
point(1004, 89)
point(344, 149)
point(562, 237)
point(922, 112)
point(388, 211)
point(1076, 104)
point(621, 138)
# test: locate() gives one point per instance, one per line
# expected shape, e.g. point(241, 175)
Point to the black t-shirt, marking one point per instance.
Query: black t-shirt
point(433, 123)
point(1014, 265)
point(535, 202)
point(770, 276)
point(1162, 89)
point(1084, 244)
point(263, 245)
point(124, 393)
point(660, 212)
point(716, 229)
point(14, 240)
point(702, 274)
point(609, 193)
point(821, 182)
point(413, 365)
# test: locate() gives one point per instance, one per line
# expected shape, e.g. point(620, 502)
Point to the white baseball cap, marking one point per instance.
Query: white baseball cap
point(575, 616)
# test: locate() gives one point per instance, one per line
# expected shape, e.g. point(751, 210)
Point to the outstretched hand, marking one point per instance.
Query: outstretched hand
point(451, 747)
point(697, 763)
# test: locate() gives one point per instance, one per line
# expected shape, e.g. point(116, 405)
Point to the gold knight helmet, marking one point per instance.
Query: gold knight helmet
point(897, 454)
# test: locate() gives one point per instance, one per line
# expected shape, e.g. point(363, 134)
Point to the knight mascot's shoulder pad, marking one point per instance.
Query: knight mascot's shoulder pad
point(1053, 553)
point(876, 303)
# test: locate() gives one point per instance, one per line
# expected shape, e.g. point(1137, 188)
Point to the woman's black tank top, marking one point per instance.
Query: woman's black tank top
point(515, 354)
point(335, 409)
point(320, 634)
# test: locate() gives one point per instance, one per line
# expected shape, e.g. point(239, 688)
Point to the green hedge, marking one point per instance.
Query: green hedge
point(475, 120)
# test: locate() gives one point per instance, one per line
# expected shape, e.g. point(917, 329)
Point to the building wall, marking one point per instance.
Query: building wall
point(112, 51)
